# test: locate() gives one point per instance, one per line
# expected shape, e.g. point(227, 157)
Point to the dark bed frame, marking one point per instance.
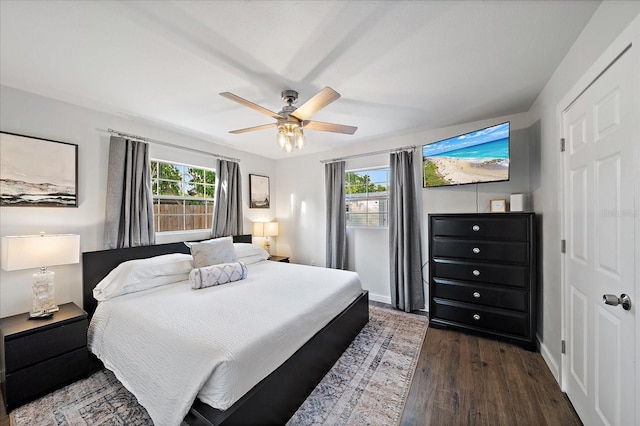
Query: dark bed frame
point(277, 397)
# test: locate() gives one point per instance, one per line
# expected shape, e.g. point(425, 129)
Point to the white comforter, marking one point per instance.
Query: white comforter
point(169, 344)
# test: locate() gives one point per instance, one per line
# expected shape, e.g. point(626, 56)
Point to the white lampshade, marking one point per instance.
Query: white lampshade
point(271, 229)
point(36, 251)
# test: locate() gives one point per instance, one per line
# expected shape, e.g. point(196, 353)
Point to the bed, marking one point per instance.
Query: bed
point(276, 397)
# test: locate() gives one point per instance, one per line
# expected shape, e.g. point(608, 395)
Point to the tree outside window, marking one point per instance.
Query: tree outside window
point(183, 196)
point(367, 197)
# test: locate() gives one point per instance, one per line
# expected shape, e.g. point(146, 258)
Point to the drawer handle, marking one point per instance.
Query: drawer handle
point(476, 228)
point(476, 250)
point(476, 272)
point(476, 295)
point(476, 317)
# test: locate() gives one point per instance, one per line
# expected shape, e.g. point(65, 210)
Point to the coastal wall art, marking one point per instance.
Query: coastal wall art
point(259, 192)
point(37, 172)
point(474, 157)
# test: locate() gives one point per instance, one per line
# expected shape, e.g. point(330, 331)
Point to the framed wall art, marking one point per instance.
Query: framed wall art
point(37, 172)
point(259, 192)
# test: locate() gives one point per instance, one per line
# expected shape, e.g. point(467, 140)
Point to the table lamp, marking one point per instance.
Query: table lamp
point(265, 229)
point(40, 251)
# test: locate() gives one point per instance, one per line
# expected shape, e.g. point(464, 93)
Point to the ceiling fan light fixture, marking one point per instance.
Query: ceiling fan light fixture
point(299, 138)
point(288, 146)
point(290, 136)
point(282, 136)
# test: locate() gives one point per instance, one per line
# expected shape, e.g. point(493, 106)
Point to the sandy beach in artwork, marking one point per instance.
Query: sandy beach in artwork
point(465, 171)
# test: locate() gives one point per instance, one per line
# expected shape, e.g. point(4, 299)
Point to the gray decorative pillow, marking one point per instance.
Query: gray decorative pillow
point(213, 252)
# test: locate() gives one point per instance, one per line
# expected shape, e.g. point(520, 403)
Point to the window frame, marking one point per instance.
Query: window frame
point(158, 199)
point(373, 196)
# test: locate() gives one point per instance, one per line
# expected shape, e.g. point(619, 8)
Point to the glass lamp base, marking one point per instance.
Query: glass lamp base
point(43, 304)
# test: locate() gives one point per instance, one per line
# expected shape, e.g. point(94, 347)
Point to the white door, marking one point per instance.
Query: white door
point(599, 182)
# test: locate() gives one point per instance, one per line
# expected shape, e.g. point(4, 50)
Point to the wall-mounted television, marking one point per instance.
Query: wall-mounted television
point(475, 157)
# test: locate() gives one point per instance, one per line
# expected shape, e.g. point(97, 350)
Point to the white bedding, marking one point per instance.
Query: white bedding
point(169, 344)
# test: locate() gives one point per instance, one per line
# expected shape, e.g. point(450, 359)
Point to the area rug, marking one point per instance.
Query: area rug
point(368, 385)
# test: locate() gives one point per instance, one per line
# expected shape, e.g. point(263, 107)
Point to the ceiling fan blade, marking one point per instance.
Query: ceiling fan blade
point(251, 105)
point(316, 103)
point(251, 129)
point(328, 127)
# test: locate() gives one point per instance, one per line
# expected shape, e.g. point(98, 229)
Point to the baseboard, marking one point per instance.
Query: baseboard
point(380, 298)
point(551, 362)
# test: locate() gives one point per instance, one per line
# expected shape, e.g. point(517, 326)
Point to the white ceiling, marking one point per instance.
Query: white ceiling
point(399, 66)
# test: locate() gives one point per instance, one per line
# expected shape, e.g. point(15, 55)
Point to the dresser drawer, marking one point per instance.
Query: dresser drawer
point(501, 297)
point(29, 349)
point(29, 383)
point(500, 227)
point(501, 251)
point(482, 318)
point(511, 275)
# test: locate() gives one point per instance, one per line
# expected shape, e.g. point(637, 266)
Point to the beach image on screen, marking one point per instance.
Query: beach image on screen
point(480, 156)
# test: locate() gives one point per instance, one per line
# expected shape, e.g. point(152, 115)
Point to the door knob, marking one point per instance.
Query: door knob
point(624, 300)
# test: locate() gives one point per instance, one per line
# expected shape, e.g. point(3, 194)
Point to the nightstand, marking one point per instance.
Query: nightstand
point(284, 259)
point(39, 356)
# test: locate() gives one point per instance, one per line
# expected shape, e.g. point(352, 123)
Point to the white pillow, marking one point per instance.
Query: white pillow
point(250, 253)
point(213, 252)
point(141, 274)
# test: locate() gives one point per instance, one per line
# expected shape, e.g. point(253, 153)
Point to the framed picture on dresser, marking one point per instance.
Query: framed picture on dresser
point(37, 172)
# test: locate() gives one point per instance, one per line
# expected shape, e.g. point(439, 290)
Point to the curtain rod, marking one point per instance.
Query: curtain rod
point(384, 151)
point(143, 139)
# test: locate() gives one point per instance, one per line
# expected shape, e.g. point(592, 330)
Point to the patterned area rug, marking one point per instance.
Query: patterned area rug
point(368, 385)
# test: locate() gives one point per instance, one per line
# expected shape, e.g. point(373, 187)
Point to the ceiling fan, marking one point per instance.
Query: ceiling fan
point(291, 120)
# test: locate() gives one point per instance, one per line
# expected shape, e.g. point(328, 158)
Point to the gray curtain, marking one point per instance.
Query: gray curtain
point(336, 215)
point(407, 291)
point(129, 204)
point(227, 213)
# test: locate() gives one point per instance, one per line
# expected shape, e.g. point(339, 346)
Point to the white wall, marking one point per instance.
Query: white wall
point(301, 202)
point(611, 18)
point(28, 114)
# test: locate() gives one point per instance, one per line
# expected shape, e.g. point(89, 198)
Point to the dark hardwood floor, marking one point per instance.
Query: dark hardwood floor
point(463, 379)
point(4, 419)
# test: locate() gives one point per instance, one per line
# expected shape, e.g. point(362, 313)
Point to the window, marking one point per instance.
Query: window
point(367, 197)
point(183, 196)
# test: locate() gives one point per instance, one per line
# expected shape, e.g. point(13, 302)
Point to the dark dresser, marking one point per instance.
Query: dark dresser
point(39, 356)
point(482, 274)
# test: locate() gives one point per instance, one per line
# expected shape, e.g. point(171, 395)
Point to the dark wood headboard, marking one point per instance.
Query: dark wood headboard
point(97, 264)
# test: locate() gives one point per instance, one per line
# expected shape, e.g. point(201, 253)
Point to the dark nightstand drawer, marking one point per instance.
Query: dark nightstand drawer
point(501, 251)
point(30, 383)
point(501, 227)
point(33, 348)
point(482, 318)
point(39, 356)
point(499, 297)
point(511, 275)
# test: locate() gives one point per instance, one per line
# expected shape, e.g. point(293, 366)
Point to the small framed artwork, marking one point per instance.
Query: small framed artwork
point(260, 197)
point(498, 205)
point(37, 172)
